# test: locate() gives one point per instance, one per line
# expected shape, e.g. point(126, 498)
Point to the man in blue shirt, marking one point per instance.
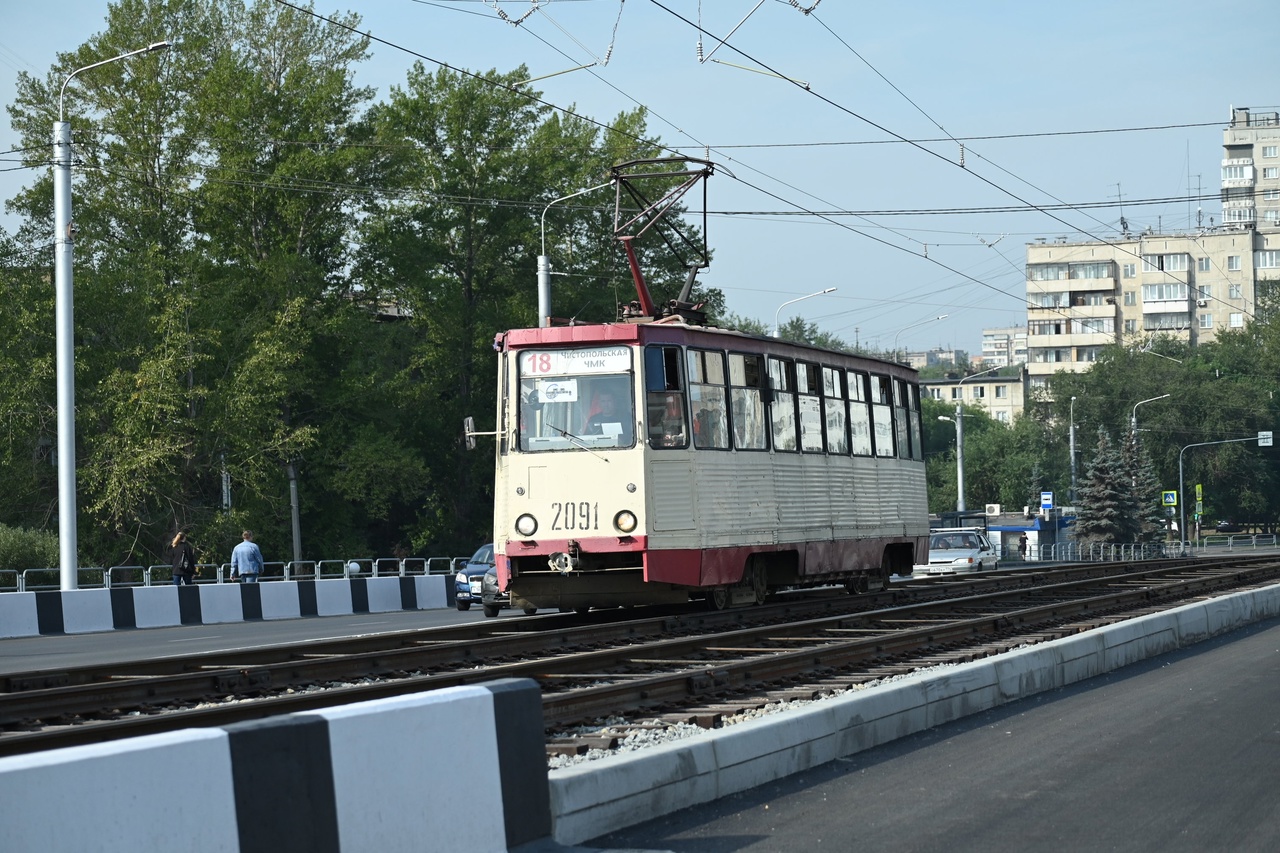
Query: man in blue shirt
point(246, 559)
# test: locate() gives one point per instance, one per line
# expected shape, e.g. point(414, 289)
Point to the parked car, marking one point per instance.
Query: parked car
point(1228, 527)
point(468, 581)
point(959, 549)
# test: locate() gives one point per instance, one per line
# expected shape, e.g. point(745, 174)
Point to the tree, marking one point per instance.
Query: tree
point(205, 272)
point(1104, 507)
point(1148, 522)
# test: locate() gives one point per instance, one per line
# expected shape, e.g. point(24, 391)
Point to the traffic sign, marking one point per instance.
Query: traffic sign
point(1046, 500)
point(1168, 498)
point(1199, 492)
point(1264, 439)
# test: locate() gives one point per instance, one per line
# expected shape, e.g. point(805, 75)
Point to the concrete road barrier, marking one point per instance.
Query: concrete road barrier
point(28, 614)
point(457, 769)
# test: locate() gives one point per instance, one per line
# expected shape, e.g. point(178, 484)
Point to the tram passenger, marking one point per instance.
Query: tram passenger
point(666, 421)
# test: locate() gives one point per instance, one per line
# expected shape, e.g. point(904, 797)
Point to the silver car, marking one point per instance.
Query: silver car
point(960, 549)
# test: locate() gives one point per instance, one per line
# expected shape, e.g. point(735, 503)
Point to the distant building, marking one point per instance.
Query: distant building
point(1083, 295)
point(933, 358)
point(1251, 169)
point(1002, 397)
point(1003, 347)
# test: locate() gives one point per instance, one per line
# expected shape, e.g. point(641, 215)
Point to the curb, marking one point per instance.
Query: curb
point(595, 798)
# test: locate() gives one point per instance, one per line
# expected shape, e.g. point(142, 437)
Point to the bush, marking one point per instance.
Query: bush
point(27, 549)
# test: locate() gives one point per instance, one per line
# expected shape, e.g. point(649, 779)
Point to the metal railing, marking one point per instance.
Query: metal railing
point(117, 577)
point(1076, 552)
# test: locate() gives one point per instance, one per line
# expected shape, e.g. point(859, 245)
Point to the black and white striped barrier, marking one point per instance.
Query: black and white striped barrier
point(27, 614)
point(431, 771)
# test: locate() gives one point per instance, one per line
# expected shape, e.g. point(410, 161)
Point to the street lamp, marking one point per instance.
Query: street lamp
point(1182, 503)
point(912, 326)
point(1073, 451)
point(64, 323)
point(959, 475)
point(960, 436)
point(1133, 421)
point(544, 263)
point(778, 313)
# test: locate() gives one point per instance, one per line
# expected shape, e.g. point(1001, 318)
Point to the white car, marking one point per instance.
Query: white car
point(959, 549)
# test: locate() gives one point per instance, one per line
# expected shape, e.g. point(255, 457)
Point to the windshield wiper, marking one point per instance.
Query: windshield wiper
point(578, 441)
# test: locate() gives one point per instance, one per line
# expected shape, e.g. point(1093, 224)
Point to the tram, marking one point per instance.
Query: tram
point(658, 460)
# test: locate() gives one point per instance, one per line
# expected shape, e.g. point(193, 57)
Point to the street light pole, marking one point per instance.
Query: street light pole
point(1133, 421)
point(64, 327)
point(544, 262)
point(959, 480)
point(1073, 451)
point(778, 313)
point(960, 507)
point(912, 326)
point(1182, 503)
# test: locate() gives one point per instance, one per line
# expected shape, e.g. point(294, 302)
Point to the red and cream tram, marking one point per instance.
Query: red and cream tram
point(659, 462)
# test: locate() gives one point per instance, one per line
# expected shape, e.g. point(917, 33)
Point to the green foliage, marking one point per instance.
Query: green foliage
point(27, 549)
point(1105, 504)
point(1217, 392)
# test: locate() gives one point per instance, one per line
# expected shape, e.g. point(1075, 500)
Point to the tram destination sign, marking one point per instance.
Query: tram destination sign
point(571, 362)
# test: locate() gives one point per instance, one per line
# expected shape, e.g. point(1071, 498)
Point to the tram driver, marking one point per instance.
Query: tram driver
point(609, 418)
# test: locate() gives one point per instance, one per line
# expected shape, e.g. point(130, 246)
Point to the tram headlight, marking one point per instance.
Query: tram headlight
point(526, 525)
point(625, 521)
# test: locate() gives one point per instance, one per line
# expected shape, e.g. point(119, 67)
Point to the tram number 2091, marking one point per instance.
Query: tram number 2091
point(575, 515)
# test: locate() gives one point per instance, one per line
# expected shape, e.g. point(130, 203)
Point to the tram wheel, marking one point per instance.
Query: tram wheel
point(718, 598)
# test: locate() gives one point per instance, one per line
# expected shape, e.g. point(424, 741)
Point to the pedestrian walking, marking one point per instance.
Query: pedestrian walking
point(183, 558)
point(1022, 547)
point(246, 559)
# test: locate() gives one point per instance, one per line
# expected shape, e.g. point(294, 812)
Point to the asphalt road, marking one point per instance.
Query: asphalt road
point(1181, 753)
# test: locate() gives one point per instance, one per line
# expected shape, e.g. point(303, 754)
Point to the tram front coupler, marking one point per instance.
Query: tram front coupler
point(565, 561)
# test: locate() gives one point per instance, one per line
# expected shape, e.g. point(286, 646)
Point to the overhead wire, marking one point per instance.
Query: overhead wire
point(900, 138)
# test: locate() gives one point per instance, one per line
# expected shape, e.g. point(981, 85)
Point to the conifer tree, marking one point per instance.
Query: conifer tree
point(1104, 505)
point(1148, 522)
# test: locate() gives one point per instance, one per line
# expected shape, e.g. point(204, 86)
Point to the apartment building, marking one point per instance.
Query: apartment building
point(1002, 397)
point(1083, 295)
point(1251, 169)
point(1003, 347)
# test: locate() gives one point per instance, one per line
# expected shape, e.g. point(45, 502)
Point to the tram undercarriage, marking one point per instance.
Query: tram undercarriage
point(564, 582)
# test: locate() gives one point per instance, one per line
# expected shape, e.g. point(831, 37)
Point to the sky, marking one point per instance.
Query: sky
point(853, 143)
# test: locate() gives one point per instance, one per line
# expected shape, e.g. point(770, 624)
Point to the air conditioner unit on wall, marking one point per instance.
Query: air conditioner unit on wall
point(993, 509)
point(1202, 303)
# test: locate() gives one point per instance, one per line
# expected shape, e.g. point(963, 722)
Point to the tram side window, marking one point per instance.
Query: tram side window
point(859, 415)
point(917, 444)
point(809, 396)
point(746, 401)
point(882, 415)
point(901, 420)
point(834, 406)
point(666, 421)
point(782, 409)
point(707, 399)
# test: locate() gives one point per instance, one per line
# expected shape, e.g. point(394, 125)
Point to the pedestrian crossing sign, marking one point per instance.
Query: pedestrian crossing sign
point(1168, 498)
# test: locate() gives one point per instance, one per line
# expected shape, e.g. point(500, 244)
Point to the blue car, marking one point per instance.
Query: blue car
point(469, 579)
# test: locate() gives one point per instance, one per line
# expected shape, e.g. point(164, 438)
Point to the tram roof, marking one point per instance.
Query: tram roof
point(671, 331)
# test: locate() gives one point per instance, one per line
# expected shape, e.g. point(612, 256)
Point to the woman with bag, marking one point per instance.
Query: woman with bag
point(184, 560)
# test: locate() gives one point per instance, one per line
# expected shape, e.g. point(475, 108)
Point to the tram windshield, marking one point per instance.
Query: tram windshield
point(576, 399)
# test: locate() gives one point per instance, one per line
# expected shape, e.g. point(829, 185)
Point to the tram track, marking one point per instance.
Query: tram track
point(658, 669)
